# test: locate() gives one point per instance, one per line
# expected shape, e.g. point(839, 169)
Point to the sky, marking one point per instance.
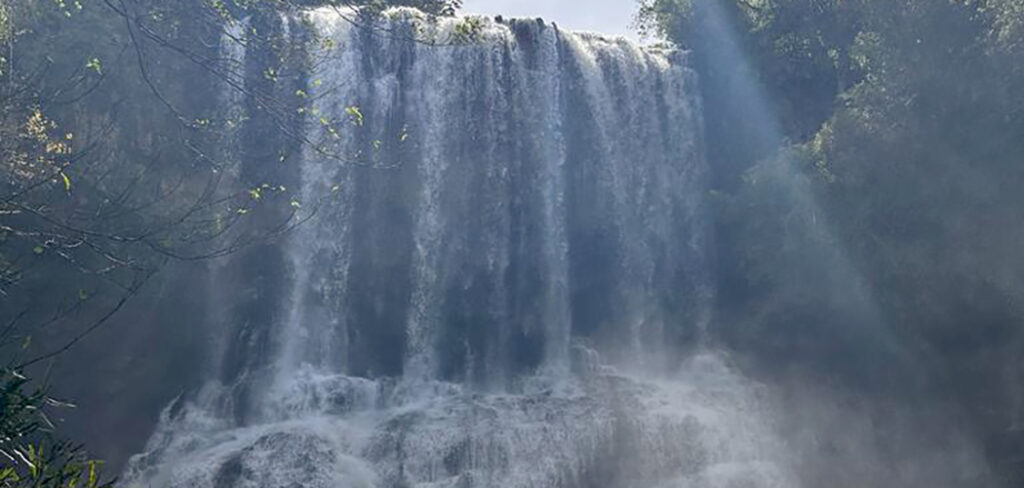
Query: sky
point(604, 16)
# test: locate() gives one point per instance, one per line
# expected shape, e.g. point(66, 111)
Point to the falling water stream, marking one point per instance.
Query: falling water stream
point(507, 284)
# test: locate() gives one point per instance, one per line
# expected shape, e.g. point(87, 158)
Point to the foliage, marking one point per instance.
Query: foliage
point(115, 166)
point(901, 124)
point(32, 456)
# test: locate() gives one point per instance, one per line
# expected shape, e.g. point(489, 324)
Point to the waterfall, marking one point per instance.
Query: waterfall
point(504, 283)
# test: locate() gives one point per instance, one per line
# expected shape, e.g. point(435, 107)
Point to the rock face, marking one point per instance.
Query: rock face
point(508, 219)
point(705, 428)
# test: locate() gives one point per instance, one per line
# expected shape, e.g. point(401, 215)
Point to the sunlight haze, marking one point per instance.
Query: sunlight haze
point(445, 243)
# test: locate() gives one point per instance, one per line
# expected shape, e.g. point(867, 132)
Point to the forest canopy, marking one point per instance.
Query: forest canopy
point(903, 121)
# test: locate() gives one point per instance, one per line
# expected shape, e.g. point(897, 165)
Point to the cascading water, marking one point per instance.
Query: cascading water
point(507, 285)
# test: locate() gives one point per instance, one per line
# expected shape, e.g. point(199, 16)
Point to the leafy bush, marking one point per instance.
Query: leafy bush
point(30, 453)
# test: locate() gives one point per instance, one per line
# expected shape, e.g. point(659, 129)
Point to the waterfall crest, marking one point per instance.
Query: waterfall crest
point(506, 268)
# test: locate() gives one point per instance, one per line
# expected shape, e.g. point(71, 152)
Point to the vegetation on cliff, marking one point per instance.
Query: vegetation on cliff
point(879, 245)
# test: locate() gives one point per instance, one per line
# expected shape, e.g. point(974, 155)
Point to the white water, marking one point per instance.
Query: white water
point(704, 427)
point(517, 182)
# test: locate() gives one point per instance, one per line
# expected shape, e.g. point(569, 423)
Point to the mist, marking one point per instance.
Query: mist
point(432, 243)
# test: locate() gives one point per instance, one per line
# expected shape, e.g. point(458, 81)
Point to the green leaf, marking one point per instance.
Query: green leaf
point(355, 114)
point(38, 250)
point(29, 458)
point(67, 181)
point(8, 475)
point(93, 475)
point(94, 65)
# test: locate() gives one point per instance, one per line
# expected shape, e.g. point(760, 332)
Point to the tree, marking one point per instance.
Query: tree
point(87, 214)
point(111, 173)
point(910, 152)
